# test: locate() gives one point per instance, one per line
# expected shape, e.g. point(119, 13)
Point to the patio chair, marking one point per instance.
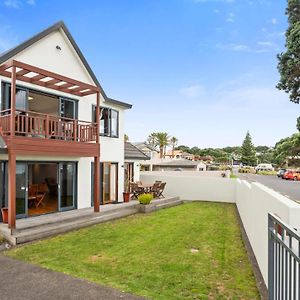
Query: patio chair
point(52, 186)
point(155, 189)
point(136, 190)
point(39, 200)
point(161, 190)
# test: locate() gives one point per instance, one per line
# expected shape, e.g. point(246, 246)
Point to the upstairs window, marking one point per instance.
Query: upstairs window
point(105, 121)
point(114, 128)
point(109, 121)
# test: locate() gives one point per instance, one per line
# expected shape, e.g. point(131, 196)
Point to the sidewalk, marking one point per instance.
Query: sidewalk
point(20, 280)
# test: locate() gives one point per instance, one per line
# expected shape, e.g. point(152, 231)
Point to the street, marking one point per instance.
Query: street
point(288, 188)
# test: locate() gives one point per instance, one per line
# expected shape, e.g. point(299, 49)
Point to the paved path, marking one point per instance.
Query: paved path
point(288, 188)
point(23, 281)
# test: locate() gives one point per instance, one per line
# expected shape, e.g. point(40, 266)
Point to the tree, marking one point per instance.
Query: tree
point(298, 124)
point(248, 153)
point(183, 148)
point(173, 142)
point(289, 61)
point(162, 140)
point(126, 138)
point(152, 141)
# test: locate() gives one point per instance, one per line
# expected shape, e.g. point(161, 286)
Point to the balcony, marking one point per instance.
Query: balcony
point(37, 125)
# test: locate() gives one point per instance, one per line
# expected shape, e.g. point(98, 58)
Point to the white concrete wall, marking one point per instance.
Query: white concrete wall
point(193, 187)
point(254, 202)
point(187, 173)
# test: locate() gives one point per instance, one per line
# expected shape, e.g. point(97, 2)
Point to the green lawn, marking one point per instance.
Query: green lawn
point(150, 255)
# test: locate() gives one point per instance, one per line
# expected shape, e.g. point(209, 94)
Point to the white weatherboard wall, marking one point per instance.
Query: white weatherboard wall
point(254, 201)
point(44, 54)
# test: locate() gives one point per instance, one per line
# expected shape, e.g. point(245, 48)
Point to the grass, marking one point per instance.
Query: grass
point(233, 176)
point(150, 255)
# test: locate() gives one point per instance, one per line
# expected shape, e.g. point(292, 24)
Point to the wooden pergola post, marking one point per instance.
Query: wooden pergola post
point(97, 160)
point(12, 158)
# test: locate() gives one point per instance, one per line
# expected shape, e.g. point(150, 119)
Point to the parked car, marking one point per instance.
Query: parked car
point(281, 172)
point(264, 167)
point(296, 175)
point(288, 174)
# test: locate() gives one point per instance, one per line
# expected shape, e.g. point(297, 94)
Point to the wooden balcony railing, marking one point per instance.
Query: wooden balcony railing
point(37, 125)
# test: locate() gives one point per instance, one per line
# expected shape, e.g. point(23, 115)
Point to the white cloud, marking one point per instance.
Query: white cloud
point(274, 21)
point(12, 3)
point(233, 47)
point(192, 91)
point(259, 47)
point(18, 3)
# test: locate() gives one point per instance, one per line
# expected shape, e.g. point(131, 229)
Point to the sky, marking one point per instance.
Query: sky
point(204, 71)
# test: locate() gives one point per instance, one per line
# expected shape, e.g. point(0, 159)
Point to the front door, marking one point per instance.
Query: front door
point(67, 186)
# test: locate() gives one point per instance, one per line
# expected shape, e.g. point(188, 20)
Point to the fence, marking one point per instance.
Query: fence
point(284, 260)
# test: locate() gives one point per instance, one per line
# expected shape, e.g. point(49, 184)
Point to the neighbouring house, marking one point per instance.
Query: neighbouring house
point(63, 137)
point(134, 157)
point(180, 165)
point(151, 152)
point(206, 158)
point(179, 154)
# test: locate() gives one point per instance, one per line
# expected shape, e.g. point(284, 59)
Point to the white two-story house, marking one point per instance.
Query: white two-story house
point(62, 137)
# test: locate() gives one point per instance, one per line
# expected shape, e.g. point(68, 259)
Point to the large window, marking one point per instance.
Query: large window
point(109, 121)
point(37, 101)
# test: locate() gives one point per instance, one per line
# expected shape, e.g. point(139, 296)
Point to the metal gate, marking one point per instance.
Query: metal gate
point(284, 260)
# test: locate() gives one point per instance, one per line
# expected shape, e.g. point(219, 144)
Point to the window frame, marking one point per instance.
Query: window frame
point(110, 110)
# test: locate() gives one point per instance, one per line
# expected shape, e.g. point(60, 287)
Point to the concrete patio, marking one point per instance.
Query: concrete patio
point(35, 228)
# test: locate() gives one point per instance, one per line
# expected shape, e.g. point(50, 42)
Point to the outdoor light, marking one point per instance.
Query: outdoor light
point(30, 98)
point(58, 47)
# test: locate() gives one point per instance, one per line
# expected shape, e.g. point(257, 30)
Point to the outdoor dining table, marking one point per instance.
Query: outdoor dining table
point(147, 187)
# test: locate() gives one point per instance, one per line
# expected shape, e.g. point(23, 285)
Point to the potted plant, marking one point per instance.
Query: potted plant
point(145, 200)
point(4, 212)
point(126, 193)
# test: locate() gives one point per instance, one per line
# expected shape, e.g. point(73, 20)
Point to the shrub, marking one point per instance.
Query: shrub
point(267, 173)
point(145, 198)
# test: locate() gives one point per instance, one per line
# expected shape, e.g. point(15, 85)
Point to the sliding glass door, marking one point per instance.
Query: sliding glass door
point(21, 190)
point(3, 186)
point(109, 182)
point(67, 185)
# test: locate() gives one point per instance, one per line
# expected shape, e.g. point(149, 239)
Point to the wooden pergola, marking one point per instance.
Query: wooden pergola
point(16, 70)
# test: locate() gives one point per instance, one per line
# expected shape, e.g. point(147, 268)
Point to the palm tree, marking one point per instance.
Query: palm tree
point(152, 141)
point(162, 140)
point(173, 142)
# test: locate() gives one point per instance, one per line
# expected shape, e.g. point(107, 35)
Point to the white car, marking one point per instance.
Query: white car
point(264, 167)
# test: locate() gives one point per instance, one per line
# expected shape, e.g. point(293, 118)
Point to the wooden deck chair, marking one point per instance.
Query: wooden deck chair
point(161, 190)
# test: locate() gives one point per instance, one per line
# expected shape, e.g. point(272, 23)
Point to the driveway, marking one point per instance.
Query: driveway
point(21, 281)
point(288, 188)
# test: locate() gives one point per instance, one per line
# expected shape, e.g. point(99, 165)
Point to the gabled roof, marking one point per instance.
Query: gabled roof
point(132, 152)
point(141, 145)
point(57, 26)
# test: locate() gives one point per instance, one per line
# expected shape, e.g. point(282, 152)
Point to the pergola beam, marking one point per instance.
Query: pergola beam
point(69, 85)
